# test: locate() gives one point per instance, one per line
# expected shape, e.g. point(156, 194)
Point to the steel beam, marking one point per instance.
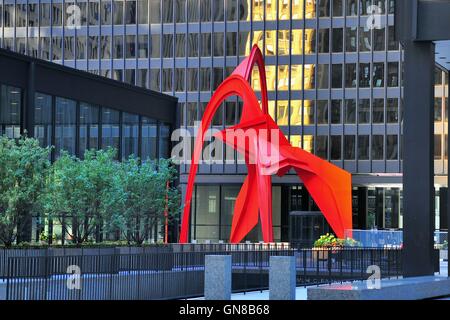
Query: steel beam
point(418, 165)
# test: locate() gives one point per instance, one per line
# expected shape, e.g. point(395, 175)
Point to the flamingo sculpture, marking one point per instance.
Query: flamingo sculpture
point(265, 155)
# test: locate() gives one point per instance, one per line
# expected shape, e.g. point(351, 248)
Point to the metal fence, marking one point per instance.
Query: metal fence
point(178, 272)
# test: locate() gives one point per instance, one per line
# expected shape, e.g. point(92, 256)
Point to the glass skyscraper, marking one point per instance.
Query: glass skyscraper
point(334, 79)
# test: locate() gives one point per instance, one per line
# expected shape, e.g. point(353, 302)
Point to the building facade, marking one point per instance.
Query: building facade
point(334, 80)
point(76, 111)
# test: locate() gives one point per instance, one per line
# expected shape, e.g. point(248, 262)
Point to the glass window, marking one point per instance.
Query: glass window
point(179, 80)
point(437, 147)
point(155, 79)
point(164, 141)
point(191, 113)
point(207, 208)
point(363, 147)
point(33, 15)
point(335, 151)
point(322, 76)
point(142, 46)
point(155, 46)
point(232, 8)
point(110, 128)
point(118, 47)
point(149, 135)
point(322, 112)
point(392, 74)
point(338, 39)
point(65, 125)
point(350, 39)
point(218, 10)
point(392, 43)
point(45, 14)
point(155, 11)
point(130, 45)
point(364, 111)
point(392, 147)
point(167, 12)
point(105, 47)
point(45, 47)
point(350, 75)
point(69, 48)
point(56, 48)
point(142, 11)
point(10, 108)
point(205, 44)
point(378, 37)
point(105, 12)
point(130, 12)
point(336, 107)
point(57, 14)
point(89, 126)
point(94, 13)
point(180, 13)
point(324, 41)
point(192, 10)
point(364, 40)
point(192, 79)
point(364, 75)
point(437, 76)
point(378, 111)
point(118, 12)
point(193, 44)
point(231, 38)
point(352, 7)
point(322, 147)
point(338, 8)
point(364, 6)
point(438, 109)
point(350, 111)
point(324, 8)
point(80, 47)
point(205, 79)
point(180, 45)
point(378, 74)
point(308, 112)
point(93, 47)
point(9, 15)
point(43, 119)
point(378, 147)
point(336, 80)
point(21, 15)
point(218, 44)
point(33, 47)
point(349, 147)
point(392, 110)
point(142, 78)
point(130, 128)
point(167, 45)
point(218, 77)
point(167, 80)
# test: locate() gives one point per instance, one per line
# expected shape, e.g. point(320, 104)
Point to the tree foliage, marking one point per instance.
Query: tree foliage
point(81, 192)
point(23, 170)
point(149, 198)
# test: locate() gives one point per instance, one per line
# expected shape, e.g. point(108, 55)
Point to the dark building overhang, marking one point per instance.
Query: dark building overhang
point(54, 79)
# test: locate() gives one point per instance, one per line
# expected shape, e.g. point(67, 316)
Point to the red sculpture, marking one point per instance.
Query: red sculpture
point(267, 154)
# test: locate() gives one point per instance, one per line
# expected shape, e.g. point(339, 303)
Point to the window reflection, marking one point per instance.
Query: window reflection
point(89, 127)
point(110, 128)
point(65, 126)
point(43, 119)
point(10, 108)
point(130, 128)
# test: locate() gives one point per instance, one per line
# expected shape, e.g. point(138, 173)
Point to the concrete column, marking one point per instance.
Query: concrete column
point(418, 160)
point(217, 277)
point(282, 278)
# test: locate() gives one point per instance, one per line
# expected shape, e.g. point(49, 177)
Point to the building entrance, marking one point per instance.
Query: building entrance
point(305, 227)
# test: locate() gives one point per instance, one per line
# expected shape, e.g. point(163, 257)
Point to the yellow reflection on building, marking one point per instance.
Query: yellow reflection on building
point(308, 143)
point(296, 141)
point(284, 9)
point(283, 112)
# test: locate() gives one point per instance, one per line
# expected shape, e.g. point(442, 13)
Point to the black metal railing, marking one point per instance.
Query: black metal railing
point(176, 271)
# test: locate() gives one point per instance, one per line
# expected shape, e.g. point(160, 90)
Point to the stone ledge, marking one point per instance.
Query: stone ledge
point(414, 288)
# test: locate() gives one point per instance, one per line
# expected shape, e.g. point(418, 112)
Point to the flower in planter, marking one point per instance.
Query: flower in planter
point(328, 241)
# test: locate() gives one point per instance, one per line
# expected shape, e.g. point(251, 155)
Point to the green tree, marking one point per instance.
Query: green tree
point(24, 166)
point(149, 195)
point(81, 192)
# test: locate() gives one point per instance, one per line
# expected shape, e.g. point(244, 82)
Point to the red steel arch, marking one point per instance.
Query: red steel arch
point(329, 185)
